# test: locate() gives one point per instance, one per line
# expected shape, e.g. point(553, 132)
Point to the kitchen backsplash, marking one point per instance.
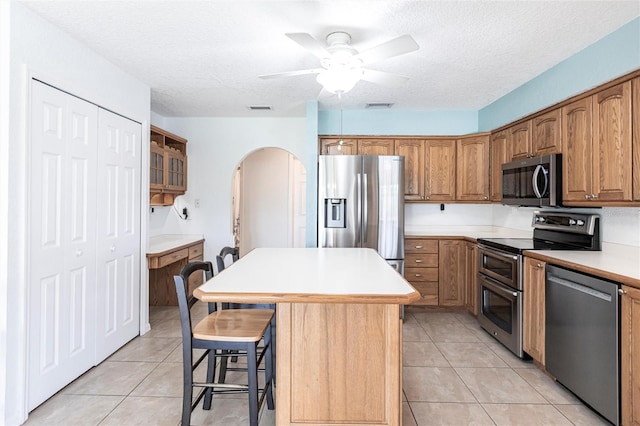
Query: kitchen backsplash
point(619, 225)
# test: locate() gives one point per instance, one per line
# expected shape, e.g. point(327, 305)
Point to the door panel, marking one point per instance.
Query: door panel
point(62, 242)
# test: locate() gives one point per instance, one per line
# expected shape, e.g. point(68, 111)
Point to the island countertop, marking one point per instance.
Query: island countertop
point(310, 275)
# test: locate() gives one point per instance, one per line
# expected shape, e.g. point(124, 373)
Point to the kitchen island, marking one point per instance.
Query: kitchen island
point(339, 337)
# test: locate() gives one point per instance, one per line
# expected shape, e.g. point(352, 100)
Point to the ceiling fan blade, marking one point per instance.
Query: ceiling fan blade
point(383, 78)
point(292, 73)
point(311, 44)
point(397, 46)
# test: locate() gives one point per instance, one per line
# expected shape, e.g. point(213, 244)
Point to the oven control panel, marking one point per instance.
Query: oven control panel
point(567, 222)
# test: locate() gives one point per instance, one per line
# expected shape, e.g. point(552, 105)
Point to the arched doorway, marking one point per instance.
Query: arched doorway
point(269, 200)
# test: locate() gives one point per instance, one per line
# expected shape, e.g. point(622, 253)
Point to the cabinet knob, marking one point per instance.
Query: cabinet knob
point(112, 248)
point(593, 196)
point(622, 292)
point(486, 198)
point(539, 266)
point(418, 275)
point(427, 197)
point(587, 196)
point(418, 261)
point(78, 253)
point(418, 247)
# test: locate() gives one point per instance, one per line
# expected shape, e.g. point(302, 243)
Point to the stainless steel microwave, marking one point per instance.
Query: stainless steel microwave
point(535, 182)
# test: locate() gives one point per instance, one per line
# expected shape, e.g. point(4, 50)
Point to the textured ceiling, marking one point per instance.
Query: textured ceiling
point(203, 58)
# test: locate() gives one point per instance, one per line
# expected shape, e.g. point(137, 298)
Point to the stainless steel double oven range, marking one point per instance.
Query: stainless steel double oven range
point(500, 269)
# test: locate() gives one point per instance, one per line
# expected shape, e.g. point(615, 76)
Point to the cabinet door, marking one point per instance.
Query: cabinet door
point(630, 356)
point(533, 311)
point(577, 156)
point(156, 167)
point(520, 140)
point(413, 152)
point(375, 146)
point(338, 146)
point(547, 133)
point(471, 280)
point(176, 171)
point(440, 173)
point(635, 127)
point(451, 273)
point(498, 155)
point(472, 169)
point(612, 144)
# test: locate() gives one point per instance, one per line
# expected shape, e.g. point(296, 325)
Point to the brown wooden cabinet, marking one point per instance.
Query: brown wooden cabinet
point(635, 141)
point(499, 154)
point(338, 146)
point(533, 308)
point(381, 146)
point(440, 172)
point(630, 356)
point(167, 167)
point(597, 166)
point(520, 140)
point(451, 272)
point(414, 171)
point(472, 169)
point(421, 268)
point(547, 133)
point(163, 266)
point(471, 278)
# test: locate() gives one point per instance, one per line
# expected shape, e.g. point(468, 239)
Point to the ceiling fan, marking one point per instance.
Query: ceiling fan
point(343, 66)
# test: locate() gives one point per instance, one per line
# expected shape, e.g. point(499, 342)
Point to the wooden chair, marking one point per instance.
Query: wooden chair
point(223, 330)
point(234, 253)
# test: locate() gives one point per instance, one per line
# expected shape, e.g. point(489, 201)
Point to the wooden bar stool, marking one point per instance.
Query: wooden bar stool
point(224, 330)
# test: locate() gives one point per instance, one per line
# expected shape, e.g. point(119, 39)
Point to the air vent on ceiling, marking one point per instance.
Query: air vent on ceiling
point(260, 108)
point(379, 105)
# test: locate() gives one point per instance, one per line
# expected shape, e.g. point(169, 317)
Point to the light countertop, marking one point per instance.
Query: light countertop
point(159, 244)
point(473, 232)
point(311, 275)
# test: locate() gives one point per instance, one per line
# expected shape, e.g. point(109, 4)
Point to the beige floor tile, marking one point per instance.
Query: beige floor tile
point(164, 381)
point(230, 412)
point(437, 317)
point(422, 354)
point(547, 387)
point(149, 350)
point(470, 355)
point(508, 356)
point(582, 415)
point(499, 385)
point(449, 332)
point(413, 332)
point(159, 313)
point(164, 328)
point(111, 378)
point(434, 384)
point(466, 318)
point(73, 410)
point(525, 415)
point(429, 413)
point(407, 415)
point(146, 411)
point(176, 354)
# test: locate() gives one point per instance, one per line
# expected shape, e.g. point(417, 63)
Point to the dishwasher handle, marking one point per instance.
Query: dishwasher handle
point(579, 287)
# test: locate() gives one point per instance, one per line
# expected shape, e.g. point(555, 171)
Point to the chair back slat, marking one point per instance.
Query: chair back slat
point(186, 302)
point(226, 251)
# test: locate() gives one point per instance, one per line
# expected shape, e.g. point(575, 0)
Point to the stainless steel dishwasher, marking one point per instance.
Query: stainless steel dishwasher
point(582, 343)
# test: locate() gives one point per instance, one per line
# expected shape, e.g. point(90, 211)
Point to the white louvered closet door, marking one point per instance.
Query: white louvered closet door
point(62, 291)
point(118, 237)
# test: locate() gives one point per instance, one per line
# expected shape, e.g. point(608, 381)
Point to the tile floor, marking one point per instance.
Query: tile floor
point(454, 374)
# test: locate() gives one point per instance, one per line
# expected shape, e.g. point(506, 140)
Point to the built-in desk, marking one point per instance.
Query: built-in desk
point(339, 333)
point(166, 256)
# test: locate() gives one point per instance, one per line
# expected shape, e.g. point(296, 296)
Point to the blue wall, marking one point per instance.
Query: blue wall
point(608, 58)
point(392, 122)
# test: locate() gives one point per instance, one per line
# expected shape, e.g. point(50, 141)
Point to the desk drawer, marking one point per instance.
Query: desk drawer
point(196, 251)
point(173, 257)
point(421, 260)
point(420, 246)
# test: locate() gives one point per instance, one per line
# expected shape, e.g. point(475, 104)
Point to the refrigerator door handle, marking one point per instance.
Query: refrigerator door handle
point(365, 221)
point(359, 210)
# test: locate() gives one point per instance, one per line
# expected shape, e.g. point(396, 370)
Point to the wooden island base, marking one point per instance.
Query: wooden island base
point(339, 364)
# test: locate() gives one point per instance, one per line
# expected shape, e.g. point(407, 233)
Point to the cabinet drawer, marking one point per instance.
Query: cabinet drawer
point(421, 260)
point(421, 246)
point(173, 257)
point(417, 275)
point(428, 293)
point(196, 251)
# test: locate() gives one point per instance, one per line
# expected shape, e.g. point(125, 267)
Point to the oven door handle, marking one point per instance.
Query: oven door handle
point(498, 287)
point(493, 253)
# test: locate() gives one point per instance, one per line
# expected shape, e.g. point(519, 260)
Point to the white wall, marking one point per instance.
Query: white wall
point(216, 146)
point(41, 50)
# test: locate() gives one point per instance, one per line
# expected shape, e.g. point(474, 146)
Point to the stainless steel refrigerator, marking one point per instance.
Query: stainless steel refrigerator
point(361, 204)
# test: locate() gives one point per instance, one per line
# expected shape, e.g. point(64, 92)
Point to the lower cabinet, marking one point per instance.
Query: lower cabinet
point(630, 356)
point(421, 268)
point(533, 312)
point(451, 272)
point(163, 267)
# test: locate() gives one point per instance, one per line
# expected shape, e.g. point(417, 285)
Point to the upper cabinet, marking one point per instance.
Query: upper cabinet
point(472, 171)
point(440, 173)
point(546, 133)
point(635, 126)
point(499, 154)
point(167, 167)
point(338, 146)
point(375, 146)
point(413, 152)
point(598, 148)
point(520, 140)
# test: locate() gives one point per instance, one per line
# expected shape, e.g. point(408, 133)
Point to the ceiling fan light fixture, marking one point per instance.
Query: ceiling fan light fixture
point(339, 80)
